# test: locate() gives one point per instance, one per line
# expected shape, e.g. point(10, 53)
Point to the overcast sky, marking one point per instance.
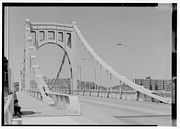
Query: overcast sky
point(146, 30)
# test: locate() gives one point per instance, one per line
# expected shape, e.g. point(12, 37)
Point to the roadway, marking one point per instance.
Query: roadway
point(96, 111)
point(120, 112)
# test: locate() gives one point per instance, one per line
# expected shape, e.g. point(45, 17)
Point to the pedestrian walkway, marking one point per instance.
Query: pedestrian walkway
point(35, 112)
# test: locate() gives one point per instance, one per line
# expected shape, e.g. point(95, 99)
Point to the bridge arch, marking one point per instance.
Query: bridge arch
point(65, 55)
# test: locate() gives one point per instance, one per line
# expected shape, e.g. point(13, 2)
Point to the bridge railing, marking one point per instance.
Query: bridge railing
point(61, 90)
point(124, 95)
point(9, 110)
point(35, 93)
point(108, 93)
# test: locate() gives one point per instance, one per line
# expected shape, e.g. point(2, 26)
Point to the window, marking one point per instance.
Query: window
point(60, 36)
point(33, 36)
point(51, 35)
point(69, 39)
point(41, 35)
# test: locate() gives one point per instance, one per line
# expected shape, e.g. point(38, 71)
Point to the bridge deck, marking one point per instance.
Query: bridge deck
point(35, 112)
point(121, 112)
point(95, 111)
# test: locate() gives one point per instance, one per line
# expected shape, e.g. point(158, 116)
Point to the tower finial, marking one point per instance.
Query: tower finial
point(74, 22)
point(27, 20)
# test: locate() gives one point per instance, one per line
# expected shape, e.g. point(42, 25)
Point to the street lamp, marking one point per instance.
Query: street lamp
point(133, 60)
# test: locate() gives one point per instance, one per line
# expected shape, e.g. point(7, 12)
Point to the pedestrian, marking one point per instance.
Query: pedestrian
point(17, 109)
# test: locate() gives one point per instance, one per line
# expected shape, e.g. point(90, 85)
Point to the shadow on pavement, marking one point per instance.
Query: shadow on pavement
point(28, 112)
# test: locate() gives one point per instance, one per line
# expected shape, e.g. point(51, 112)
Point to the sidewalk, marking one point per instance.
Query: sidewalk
point(35, 112)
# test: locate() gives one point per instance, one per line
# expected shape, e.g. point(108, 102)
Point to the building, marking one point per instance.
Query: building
point(146, 83)
point(154, 84)
point(167, 85)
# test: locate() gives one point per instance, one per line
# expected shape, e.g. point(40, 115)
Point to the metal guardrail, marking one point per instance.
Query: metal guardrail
point(9, 110)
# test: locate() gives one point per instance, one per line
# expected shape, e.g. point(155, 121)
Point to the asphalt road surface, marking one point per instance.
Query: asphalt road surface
point(111, 111)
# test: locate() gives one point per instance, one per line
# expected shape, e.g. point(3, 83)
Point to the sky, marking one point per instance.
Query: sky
point(145, 30)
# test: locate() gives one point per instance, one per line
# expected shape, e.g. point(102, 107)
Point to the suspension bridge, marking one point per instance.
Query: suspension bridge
point(85, 95)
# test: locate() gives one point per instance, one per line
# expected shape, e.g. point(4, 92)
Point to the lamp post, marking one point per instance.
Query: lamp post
point(133, 59)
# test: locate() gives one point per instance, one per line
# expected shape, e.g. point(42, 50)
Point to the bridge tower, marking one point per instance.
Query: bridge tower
point(74, 60)
point(28, 40)
point(40, 34)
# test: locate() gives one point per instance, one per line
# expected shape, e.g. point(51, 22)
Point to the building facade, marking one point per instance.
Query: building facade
point(154, 84)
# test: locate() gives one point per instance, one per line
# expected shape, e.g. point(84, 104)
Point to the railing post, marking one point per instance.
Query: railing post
point(137, 98)
point(107, 92)
point(83, 90)
point(120, 92)
point(90, 91)
point(98, 92)
point(78, 91)
point(152, 99)
point(145, 99)
point(126, 96)
point(131, 96)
